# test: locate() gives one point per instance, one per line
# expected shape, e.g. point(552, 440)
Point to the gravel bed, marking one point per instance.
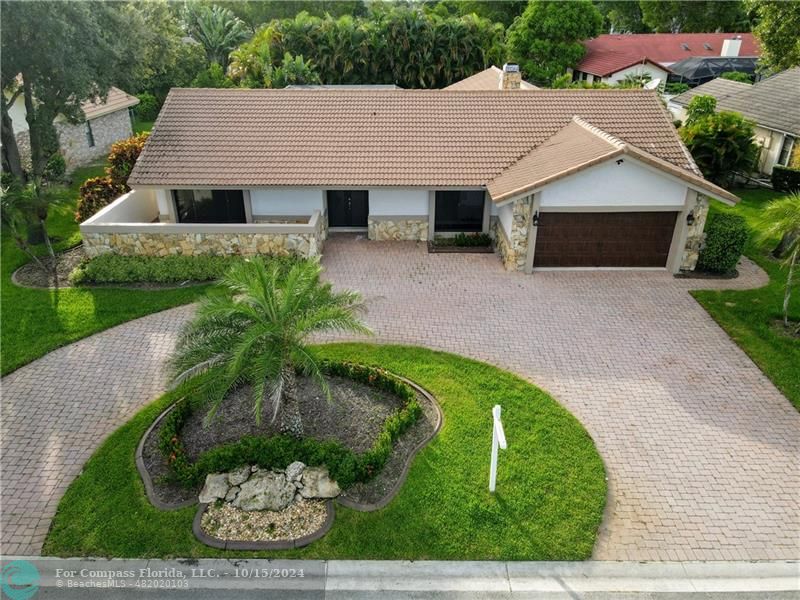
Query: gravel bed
point(226, 522)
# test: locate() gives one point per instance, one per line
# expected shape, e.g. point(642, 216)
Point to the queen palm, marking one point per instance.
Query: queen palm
point(781, 219)
point(254, 329)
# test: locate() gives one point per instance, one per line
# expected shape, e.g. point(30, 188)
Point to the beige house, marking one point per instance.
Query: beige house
point(83, 143)
point(772, 103)
point(558, 178)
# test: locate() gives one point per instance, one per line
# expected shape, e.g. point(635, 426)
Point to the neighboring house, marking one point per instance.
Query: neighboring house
point(507, 78)
point(559, 178)
point(772, 103)
point(106, 122)
point(612, 57)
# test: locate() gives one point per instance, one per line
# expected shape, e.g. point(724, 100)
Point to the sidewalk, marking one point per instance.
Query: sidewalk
point(262, 578)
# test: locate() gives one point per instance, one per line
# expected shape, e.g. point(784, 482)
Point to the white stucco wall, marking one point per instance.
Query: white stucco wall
point(17, 113)
point(652, 70)
point(609, 184)
point(398, 202)
point(136, 206)
point(287, 201)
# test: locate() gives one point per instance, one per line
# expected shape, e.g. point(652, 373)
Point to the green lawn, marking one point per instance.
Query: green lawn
point(549, 502)
point(749, 316)
point(38, 321)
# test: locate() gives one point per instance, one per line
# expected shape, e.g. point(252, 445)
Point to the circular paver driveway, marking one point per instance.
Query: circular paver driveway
point(701, 449)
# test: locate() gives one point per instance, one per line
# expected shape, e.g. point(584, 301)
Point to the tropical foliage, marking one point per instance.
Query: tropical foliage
point(781, 218)
point(737, 76)
point(216, 28)
point(776, 30)
point(398, 45)
point(254, 330)
point(546, 39)
point(721, 143)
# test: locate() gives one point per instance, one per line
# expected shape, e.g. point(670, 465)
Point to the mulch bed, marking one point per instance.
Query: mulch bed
point(354, 417)
point(706, 275)
point(30, 275)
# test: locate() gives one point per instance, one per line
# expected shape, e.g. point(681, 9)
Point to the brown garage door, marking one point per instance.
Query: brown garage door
point(624, 239)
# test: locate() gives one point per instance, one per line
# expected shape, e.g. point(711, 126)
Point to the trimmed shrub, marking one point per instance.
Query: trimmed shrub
point(785, 179)
point(123, 157)
point(96, 193)
point(55, 168)
point(114, 268)
point(726, 236)
point(674, 89)
point(147, 109)
point(344, 465)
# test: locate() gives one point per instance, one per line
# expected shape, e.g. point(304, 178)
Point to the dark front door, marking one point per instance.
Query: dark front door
point(623, 239)
point(348, 208)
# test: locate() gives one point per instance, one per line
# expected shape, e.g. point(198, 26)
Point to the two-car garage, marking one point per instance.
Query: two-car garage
point(604, 239)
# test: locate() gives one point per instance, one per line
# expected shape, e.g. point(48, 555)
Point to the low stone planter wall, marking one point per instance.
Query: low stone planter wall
point(413, 229)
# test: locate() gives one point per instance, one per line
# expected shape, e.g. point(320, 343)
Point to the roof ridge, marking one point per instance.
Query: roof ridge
point(611, 139)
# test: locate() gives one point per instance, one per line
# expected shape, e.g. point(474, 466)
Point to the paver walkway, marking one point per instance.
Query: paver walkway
point(701, 449)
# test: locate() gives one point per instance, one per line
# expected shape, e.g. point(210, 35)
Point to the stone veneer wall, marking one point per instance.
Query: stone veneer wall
point(192, 244)
point(390, 229)
point(75, 148)
point(695, 235)
point(514, 249)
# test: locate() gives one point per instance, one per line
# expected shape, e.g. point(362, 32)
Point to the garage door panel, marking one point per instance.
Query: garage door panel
point(624, 239)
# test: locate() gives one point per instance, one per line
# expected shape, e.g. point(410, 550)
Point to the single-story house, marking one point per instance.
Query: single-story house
point(559, 178)
point(772, 103)
point(494, 78)
point(610, 58)
point(83, 143)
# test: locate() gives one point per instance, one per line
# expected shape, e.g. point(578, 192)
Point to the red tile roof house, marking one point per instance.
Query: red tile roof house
point(610, 58)
point(559, 178)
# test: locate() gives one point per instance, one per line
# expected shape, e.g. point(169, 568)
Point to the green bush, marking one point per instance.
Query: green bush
point(785, 179)
point(464, 240)
point(737, 76)
point(96, 193)
point(55, 168)
point(113, 268)
point(674, 89)
point(726, 236)
point(344, 465)
point(147, 109)
point(123, 156)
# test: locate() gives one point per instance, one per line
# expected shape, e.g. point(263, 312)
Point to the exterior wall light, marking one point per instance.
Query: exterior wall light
point(690, 218)
point(620, 161)
point(536, 219)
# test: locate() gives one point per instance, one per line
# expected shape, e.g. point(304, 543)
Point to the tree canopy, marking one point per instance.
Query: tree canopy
point(546, 39)
point(778, 31)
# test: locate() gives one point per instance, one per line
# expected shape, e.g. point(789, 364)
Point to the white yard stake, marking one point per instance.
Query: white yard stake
point(498, 439)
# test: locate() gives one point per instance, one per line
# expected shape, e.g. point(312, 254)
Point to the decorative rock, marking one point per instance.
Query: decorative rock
point(232, 493)
point(295, 471)
point(216, 487)
point(265, 491)
point(317, 483)
point(239, 476)
point(254, 469)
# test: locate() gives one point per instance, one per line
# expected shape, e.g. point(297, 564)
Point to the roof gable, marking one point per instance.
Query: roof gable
point(488, 79)
point(576, 147)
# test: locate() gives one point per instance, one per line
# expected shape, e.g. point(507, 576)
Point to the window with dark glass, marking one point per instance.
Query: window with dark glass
point(786, 150)
point(209, 206)
point(89, 135)
point(459, 210)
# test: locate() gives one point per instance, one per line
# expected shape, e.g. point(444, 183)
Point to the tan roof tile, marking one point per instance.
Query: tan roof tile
point(238, 137)
point(116, 100)
point(488, 79)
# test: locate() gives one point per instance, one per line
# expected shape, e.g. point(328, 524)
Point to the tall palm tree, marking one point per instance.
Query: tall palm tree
point(254, 330)
point(217, 29)
point(781, 219)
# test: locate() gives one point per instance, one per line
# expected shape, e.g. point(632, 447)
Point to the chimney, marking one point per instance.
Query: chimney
point(511, 77)
point(731, 47)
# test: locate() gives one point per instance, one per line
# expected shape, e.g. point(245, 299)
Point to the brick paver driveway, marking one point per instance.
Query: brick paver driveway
point(701, 450)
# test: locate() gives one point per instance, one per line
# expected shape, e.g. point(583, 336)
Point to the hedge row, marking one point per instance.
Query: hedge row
point(785, 179)
point(113, 268)
point(276, 452)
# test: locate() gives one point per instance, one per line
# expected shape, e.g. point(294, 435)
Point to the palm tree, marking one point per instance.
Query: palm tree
point(217, 29)
point(781, 219)
point(254, 330)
